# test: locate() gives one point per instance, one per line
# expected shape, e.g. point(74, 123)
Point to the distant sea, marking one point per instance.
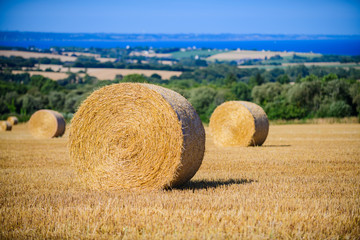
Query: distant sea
point(337, 47)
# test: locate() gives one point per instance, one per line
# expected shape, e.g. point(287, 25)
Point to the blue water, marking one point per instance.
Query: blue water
point(338, 47)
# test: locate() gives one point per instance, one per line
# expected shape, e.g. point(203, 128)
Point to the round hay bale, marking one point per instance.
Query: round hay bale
point(13, 120)
point(5, 126)
point(136, 136)
point(239, 123)
point(47, 124)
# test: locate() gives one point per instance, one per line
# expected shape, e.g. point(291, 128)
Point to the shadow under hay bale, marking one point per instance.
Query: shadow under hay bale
point(136, 136)
point(239, 123)
point(47, 124)
point(206, 184)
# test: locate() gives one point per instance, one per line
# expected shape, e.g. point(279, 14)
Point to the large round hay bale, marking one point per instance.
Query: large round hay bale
point(136, 136)
point(47, 124)
point(13, 120)
point(5, 126)
point(239, 123)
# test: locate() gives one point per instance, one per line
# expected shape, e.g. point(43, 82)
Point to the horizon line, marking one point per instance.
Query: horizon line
point(154, 33)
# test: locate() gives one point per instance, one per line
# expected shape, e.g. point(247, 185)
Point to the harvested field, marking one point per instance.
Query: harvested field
point(63, 58)
point(247, 54)
point(304, 182)
point(110, 73)
point(99, 73)
point(9, 53)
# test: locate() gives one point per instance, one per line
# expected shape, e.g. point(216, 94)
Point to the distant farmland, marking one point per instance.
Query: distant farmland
point(63, 58)
point(99, 73)
point(248, 55)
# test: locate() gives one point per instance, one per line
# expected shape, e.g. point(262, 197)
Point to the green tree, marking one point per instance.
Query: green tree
point(355, 95)
point(256, 80)
point(30, 103)
point(329, 77)
point(202, 99)
point(10, 101)
point(135, 78)
point(266, 93)
point(230, 79)
point(339, 109)
point(283, 79)
point(56, 100)
point(241, 91)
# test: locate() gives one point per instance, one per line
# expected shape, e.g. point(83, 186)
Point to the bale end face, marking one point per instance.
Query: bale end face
point(47, 124)
point(136, 136)
point(239, 123)
point(13, 120)
point(5, 126)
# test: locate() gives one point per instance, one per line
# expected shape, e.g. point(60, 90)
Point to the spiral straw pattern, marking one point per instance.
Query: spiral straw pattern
point(239, 123)
point(47, 124)
point(136, 136)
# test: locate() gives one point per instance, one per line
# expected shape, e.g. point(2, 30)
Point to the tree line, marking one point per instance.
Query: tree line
point(284, 93)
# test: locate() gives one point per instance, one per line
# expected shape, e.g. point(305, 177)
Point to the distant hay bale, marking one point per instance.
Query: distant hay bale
point(136, 136)
point(5, 126)
point(239, 123)
point(47, 124)
point(13, 120)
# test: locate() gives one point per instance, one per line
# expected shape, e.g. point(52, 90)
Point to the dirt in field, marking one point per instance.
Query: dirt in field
point(304, 182)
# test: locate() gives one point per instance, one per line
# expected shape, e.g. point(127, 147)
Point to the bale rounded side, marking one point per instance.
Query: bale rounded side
point(47, 123)
point(239, 123)
point(136, 136)
point(5, 126)
point(13, 120)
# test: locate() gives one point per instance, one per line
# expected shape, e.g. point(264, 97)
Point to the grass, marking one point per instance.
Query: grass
point(304, 182)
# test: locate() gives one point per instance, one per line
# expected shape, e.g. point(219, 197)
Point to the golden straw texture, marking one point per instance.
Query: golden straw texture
point(239, 123)
point(136, 136)
point(47, 124)
point(5, 126)
point(13, 120)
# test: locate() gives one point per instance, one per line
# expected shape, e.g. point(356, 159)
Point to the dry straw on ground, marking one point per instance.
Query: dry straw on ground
point(239, 123)
point(47, 124)
point(13, 120)
point(5, 126)
point(136, 136)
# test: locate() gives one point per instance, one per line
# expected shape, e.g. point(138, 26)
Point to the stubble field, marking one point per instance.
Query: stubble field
point(60, 72)
point(303, 183)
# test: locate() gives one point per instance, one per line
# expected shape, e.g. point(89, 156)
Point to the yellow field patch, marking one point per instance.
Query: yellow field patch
point(99, 73)
point(63, 58)
point(304, 182)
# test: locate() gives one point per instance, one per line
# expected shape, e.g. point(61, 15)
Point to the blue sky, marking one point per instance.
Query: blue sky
point(172, 16)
